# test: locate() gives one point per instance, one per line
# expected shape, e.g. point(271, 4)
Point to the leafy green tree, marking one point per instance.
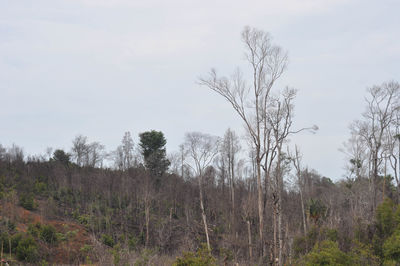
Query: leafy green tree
point(154, 153)
point(61, 156)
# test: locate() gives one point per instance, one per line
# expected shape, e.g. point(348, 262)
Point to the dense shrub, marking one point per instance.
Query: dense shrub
point(34, 229)
point(27, 201)
point(107, 240)
point(48, 234)
point(326, 253)
point(27, 250)
point(362, 254)
point(202, 257)
point(391, 247)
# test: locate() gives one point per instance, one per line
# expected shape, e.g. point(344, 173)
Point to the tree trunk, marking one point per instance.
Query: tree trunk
point(250, 244)
point(280, 260)
point(203, 214)
point(302, 210)
point(275, 235)
point(147, 217)
point(260, 204)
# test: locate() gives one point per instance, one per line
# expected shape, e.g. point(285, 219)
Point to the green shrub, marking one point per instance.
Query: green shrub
point(84, 219)
point(385, 219)
point(202, 257)
point(327, 253)
point(27, 250)
point(391, 247)
point(86, 249)
point(15, 239)
point(362, 254)
point(41, 188)
point(132, 243)
point(48, 234)
point(331, 234)
point(107, 240)
point(27, 201)
point(116, 254)
point(71, 234)
point(34, 229)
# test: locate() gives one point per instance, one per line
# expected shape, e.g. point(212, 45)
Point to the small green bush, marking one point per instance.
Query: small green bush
point(34, 229)
point(202, 257)
point(107, 240)
point(27, 201)
point(48, 234)
point(41, 188)
point(133, 242)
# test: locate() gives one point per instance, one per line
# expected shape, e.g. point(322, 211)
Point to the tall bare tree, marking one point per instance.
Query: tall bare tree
point(127, 149)
point(230, 147)
point(267, 63)
point(296, 160)
point(202, 149)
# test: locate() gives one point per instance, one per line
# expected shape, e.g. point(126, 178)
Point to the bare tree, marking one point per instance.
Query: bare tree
point(2, 153)
point(296, 160)
point(357, 157)
point(95, 154)
point(267, 63)
point(127, 149)
point(80, 148)
point(380, 114)
point(280, 119)
point(229, 150)
point(202, 149)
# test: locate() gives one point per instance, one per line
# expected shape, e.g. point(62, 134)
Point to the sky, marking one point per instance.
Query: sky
point(103, 67)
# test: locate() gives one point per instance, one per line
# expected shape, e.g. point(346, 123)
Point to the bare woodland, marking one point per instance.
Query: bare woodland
point(249, 197)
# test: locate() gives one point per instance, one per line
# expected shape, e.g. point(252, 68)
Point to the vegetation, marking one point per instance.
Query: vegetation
point(209, 203)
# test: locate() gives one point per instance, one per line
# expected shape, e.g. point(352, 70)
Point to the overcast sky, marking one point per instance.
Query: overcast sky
point(103, 67)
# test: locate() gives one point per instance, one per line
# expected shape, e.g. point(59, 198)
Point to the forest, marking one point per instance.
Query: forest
point(244, 198)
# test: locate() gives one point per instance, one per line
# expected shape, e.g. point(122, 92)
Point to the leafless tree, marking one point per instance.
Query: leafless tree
point(296, 160)
point(381, 114)
point(127, 149)
point(2, 153)
point(80, 148)
point(202, 148)
point(267, 63)
point(280, 119)
point(229, 150)
point(95, 154)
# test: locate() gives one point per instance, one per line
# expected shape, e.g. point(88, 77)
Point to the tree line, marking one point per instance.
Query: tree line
point(249, 199)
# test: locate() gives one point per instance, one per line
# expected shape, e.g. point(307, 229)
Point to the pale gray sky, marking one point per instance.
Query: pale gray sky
point(103, 67)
